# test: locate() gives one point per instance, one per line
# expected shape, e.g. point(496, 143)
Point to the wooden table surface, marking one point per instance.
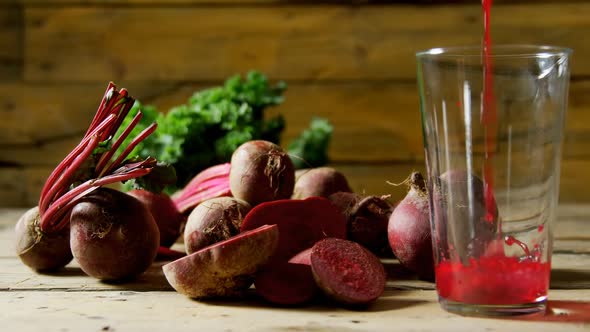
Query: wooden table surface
point(71, 301)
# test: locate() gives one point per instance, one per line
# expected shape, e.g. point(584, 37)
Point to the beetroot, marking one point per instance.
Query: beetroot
point(367, 218)
point(225, 268)
point(301, 223)
point(460, 213)
point(409, 230)
point(321, 181)
point(261, 171)
point(42, 236)
point(113, 235)
point(41, 252)
point(165, 214)
point(214, 220)
point(286, 283)
point(347, 272)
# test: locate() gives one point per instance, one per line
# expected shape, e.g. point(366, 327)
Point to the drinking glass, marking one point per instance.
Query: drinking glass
point(492, 128)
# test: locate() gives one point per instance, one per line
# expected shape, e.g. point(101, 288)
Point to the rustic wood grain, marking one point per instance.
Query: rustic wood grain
point(11, 34)
point(373, 121)
point(289, 42)
point(140, 311)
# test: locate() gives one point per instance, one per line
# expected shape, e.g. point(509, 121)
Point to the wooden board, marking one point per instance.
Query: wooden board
point(70, 300)
point(209, 43)
point(141, 311)
point(373, 121)
point(11, 33)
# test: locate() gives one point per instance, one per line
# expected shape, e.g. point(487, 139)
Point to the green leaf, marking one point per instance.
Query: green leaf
point(310, 149)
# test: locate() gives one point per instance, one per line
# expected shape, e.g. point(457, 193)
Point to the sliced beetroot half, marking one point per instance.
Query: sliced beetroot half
point(347, 272)
point(301, 223)
point(286, 283)
point(225, 268)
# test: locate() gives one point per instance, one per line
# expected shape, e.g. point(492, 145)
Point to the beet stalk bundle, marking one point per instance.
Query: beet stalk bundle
point(43, 232)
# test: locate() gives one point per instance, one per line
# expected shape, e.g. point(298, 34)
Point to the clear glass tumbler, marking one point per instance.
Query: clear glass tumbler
point(492, 130)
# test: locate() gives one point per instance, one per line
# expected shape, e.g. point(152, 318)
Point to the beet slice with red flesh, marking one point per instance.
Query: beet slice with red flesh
point(347, 272)
point(301, 223)
point(225, 268)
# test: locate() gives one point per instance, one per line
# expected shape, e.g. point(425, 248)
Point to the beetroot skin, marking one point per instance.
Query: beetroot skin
point(225, 268)
point(261, 171)
point(301, 223)
point(409, 230)
point(113, 235)
point(367, 218)
point(40, 251)
point(214, 220)
point(453, 196)
point(321, 181)
point(347, 272)
point(165, 214)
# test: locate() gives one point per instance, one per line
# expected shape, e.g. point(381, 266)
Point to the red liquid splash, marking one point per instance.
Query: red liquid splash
point(493, 280)
point(488, 115)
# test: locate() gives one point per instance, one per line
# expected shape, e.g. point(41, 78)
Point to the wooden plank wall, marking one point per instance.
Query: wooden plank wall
point(349, 61)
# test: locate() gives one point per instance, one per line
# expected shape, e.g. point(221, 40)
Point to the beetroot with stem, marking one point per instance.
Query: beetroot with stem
point(320, 181)
point(87, 167)
point(261, 171)
point(214, 220)
point(225, 268)
point(409, 230)
point(347, 272)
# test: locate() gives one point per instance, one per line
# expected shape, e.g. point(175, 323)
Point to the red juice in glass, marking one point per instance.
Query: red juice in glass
point(492, 120)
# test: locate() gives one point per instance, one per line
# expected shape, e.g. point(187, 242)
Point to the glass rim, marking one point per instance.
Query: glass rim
point(497, 51)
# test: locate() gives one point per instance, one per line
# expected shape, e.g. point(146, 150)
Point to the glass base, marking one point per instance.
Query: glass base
point(484, 310)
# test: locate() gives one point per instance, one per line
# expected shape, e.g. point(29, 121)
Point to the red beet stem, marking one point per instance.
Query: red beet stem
point(211, 182)
point(107, 97)
point(67, 174)
point(100, 167)
point(221, 170)
point(58, 171)
point(143, 135)
point(55, 200)
point(200, 196)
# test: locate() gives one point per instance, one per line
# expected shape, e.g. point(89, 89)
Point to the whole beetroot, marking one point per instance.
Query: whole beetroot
point(261, 171)
point(214, 220)
point(320, 181)
point(113, 236)
point(461, 216)
point(409, 230)
point(165, 214)
point(367, 218)
point(41, 252)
